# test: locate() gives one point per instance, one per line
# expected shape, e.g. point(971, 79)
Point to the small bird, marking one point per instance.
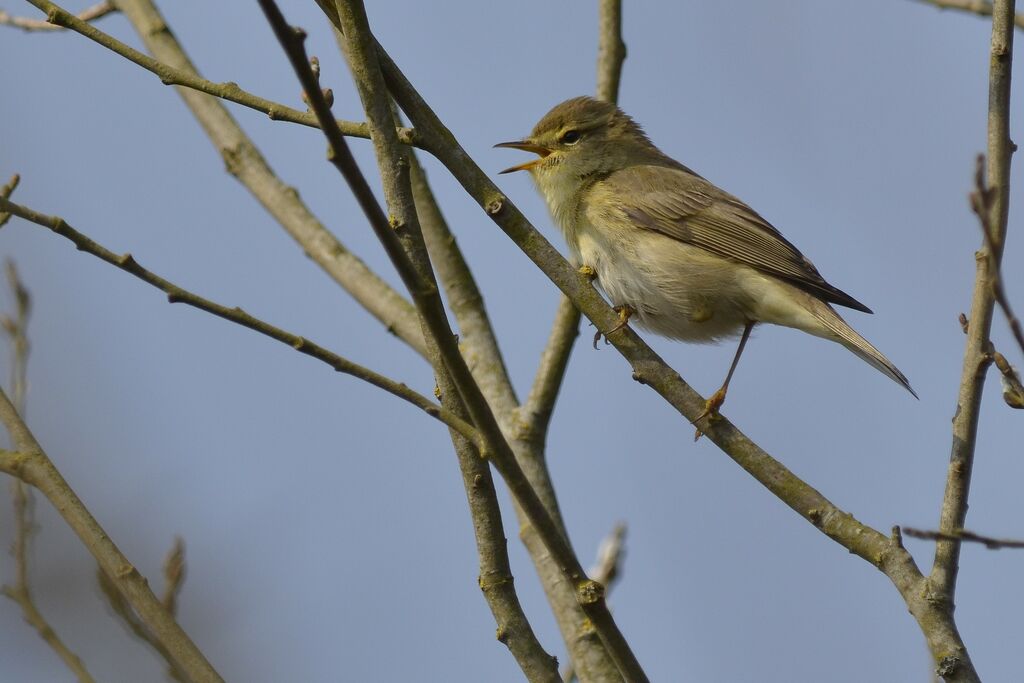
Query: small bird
point(669, 249)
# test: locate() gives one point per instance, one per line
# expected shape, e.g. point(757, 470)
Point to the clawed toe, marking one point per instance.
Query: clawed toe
point(625, 312)
point(710, 411)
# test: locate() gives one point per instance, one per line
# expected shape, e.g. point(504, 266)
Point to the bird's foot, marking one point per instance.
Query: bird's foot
point(625, 311)
point(588, 272)
point(710, 411)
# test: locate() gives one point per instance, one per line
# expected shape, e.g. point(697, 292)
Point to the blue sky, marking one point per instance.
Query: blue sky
point(327, 531)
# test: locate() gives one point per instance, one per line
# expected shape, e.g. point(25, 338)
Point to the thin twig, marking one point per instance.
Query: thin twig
point(97, 11)
point(982, 8)
point(244, 161)
point(611, 53)
point(993, 206)
point(479, 345)
point(1013, 388)
point(174, 574)
point(16, 328)
point(58, 17)
point(21, 594)
point(611, 50)
point(982, 201)
point(365, 50)
point(414, 268)
point(495, 578)
point(964, 535)
point(5, 192)
point(476, 333)
point(31, 464)
point(610, 555)
point(176, 294)
point(398, 232)
point(554, 361)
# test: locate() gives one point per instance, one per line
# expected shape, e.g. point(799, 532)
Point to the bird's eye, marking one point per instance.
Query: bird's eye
point(569, 137)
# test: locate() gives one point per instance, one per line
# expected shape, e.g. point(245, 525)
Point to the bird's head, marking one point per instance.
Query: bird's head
point(579, 138)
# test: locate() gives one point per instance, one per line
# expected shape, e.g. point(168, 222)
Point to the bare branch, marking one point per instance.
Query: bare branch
point(610, 555)
point(495, 578)
point(1013, 389)
point(554, 361)
point(176, 294)
point(607, 570)
point(31, 464)
point(244, 161)
point(135, 627)
point(5, 192)
point(964, 535)
point(993, 208)
point(398, 232)
point(92, 13)
point(16, 328)
point(611, 53)
point(611, 50)
point(174, 575)
point(648, 368)
point(21, 593)
point(483, 356)
point(982, 201)
point(982, 8)
point(60, 18)
point(476, 334)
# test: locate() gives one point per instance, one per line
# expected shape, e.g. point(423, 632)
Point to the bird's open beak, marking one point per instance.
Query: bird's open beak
point(526, 146)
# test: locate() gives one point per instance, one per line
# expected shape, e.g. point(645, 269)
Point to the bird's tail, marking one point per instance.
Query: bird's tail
point(841, 332)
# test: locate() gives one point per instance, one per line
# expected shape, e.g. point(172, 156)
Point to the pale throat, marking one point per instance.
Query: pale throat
point(561, 192)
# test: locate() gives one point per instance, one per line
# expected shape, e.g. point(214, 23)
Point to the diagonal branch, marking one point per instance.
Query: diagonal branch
point(418, 280)
point(176, 294)
point(31, 464)
point(964, 535)
point(136, 626)
point(495, 579)
point(982, 201)
point(483, 356)
point(607, 570)
point(20, 592)
point(885, 553)
point(976, 354)
point(92, 13)
point(6, 192)
point(59, 18)
point(476, 333)
point(982, 8)
point(244, 161)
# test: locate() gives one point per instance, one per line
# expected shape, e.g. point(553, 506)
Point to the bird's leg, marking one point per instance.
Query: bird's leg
point(716, 400)
point(625, 311)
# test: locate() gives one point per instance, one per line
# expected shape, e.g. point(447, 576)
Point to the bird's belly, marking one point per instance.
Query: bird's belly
point(676, 290)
